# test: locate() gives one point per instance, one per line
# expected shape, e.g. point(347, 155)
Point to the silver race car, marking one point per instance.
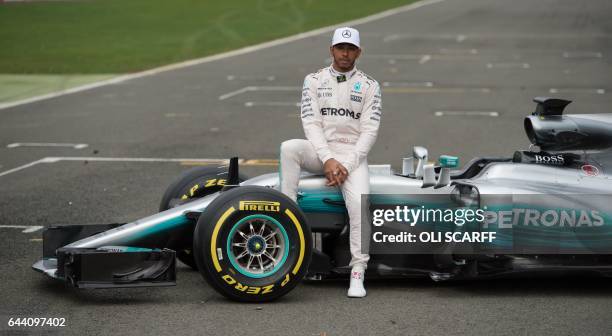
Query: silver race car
point(252, 243)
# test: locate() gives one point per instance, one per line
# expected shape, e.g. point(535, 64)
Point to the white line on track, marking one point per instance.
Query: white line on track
point(251, 104)
point(233, 53)
point(577, 90)
point(235, 93)
point(55, 159)
point(114, 159)
point(395, 56)
point(467, 113)
point(424, 59)
point(258, 88)
point(508, 65)
point(419, 90)
point(26, 229)
point(46, 144)
point(582, 54)
point(16, 169)
point(459, 51)
point(177, 115)
point(234, 77)
point(395, 37)
point(408, 84)
point(391, 37)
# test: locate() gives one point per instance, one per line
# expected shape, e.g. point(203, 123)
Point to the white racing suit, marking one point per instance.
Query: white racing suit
point(340, 115)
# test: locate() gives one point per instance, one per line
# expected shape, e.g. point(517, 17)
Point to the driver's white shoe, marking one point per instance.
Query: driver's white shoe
point(356, 289)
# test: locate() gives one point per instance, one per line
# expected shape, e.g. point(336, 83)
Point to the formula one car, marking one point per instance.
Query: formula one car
point(252, 243)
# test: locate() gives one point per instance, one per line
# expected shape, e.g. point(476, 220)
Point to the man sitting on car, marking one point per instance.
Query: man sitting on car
point(340, 111)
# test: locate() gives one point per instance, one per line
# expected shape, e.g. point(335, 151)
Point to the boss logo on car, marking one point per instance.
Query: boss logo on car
point(550, 159)
point(260, 206)
point(544, 158)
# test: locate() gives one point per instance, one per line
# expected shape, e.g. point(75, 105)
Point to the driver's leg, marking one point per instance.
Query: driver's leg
point(296, 154)
point(357, 183)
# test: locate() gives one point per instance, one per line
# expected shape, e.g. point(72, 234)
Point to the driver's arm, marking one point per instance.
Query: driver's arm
point(312, 120)
point(370, 121)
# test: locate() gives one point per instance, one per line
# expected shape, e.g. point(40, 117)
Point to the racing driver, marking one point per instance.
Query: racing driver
point(340, 112)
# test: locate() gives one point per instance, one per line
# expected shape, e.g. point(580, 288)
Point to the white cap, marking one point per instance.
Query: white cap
point(346, 35)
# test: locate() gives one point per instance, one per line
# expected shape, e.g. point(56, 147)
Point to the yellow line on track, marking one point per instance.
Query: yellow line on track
point(251, 162)
point(261, 162)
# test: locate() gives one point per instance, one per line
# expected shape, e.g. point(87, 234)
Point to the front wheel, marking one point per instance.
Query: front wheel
point(252, 244)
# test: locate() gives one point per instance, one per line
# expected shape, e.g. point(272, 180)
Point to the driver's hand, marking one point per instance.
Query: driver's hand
point(335, 172)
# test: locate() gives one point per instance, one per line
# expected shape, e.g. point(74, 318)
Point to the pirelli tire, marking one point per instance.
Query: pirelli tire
point(190, 185)
point(252, 244)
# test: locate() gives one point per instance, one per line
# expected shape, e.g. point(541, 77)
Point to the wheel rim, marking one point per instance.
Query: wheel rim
point(257, 246)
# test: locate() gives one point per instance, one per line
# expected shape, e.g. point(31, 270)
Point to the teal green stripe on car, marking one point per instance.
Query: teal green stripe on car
point(312, 201)
point(169, 224)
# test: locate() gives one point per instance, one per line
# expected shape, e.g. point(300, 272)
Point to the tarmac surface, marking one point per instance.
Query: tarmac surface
point(458, 77)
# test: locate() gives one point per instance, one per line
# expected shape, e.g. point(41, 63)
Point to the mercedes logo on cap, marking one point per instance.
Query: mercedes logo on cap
point(346, 33)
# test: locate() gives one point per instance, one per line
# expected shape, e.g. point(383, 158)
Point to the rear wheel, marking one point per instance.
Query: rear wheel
point(190, 185)
point(252, 244)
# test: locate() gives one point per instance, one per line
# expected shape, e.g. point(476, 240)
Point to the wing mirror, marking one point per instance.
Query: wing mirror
point(446, 163)
point(420, 155)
